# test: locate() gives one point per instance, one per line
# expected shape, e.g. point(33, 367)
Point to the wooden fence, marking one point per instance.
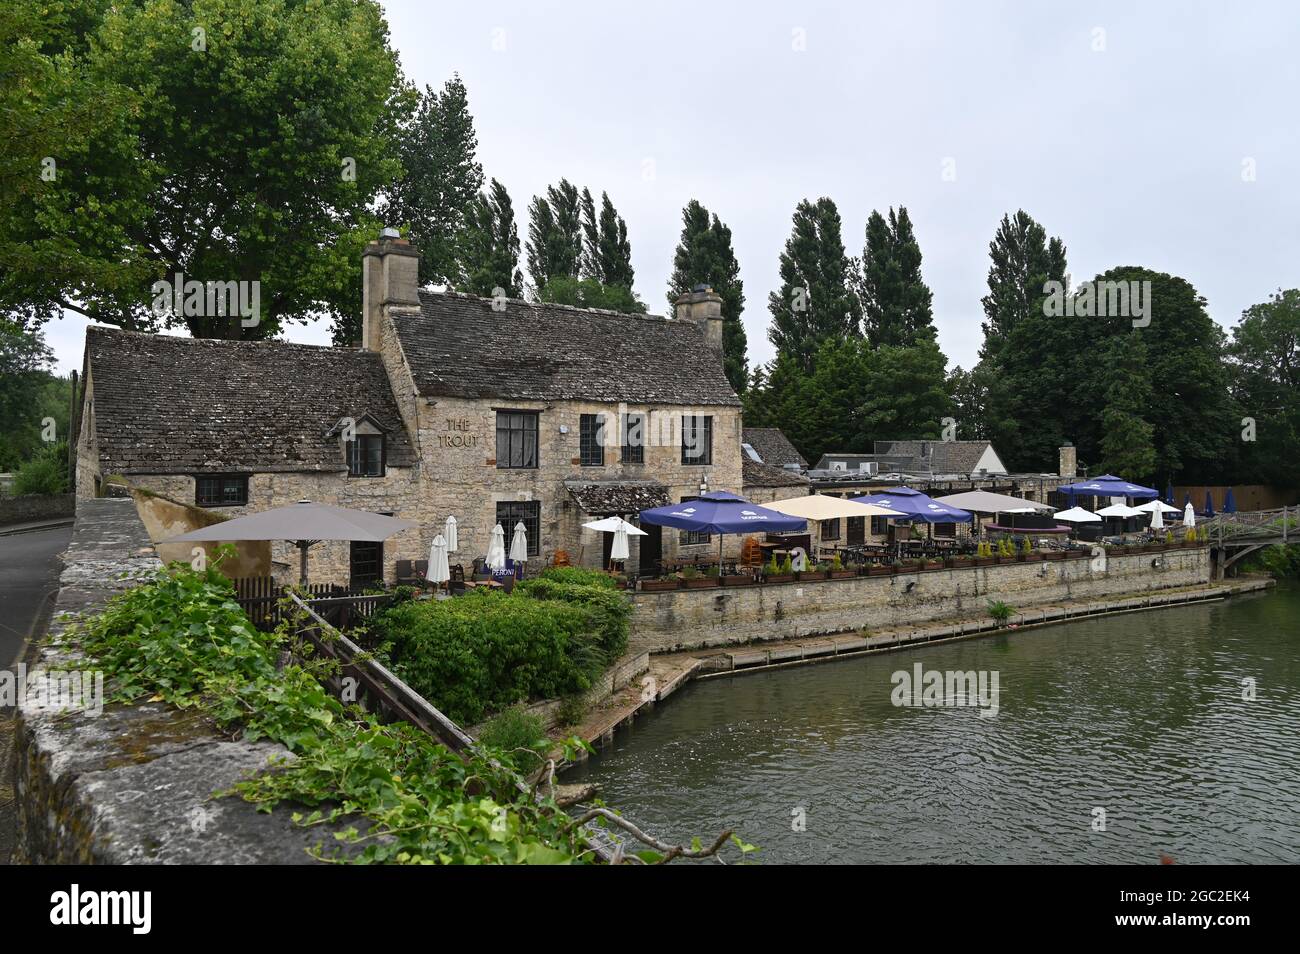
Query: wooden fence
point(343, 608)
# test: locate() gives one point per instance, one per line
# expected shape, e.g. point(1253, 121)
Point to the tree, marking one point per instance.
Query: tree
point(704, 256)
point(896, 301)
point(1023, 261)
point(489, 248)
point(1265, 367)
point(29, 395)
point(589, 293)
point(441, 179)
point(606, 251)
point(555, 235)
point(1029, 359)
point(236, 141)
point(814, 303)
point(1126, 445)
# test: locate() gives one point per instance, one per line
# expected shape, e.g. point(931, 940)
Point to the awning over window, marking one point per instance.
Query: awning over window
point(604, 498)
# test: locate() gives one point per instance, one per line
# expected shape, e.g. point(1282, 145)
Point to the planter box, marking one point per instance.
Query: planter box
point(700, 583)
point(659, 586)
point(808, 576)
point(879, 570)
point(931, 565)
point(1076, 554)
point(1053, 554)
point(843, 574)
point(739, 579)
point(986, 561)
point(779, 578)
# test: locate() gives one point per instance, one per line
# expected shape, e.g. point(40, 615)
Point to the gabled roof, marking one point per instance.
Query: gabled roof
point(166, 404)
point(773, 447)
point(946, 457)
point(458, 346)
point(754, 474)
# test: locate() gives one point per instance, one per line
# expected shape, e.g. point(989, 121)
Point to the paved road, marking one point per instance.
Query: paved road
point(28, 573)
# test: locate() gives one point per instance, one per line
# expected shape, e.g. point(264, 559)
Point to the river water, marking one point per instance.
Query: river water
point(1136, 724)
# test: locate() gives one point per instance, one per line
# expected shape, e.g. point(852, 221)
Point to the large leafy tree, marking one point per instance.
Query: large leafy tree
point(896, 301)
point(29, 394)
point(441, 179)
point(1265, 366)
point(555, 236)
point(1126, 445)
point(606, 251)
point(815, 302)
point(237, 140)
point(489, 247)
point(705, 256)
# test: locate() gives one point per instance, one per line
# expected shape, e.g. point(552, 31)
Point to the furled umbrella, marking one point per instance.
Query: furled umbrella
point(496, 554)
point(1189, 515)
point(1229, 502)
point(1209, 505)
point(450, 534)
point(1157, 519)
point(619, 549)
point(1169, 492)
point(439, 569)
point(303, 524)
point(519, 544)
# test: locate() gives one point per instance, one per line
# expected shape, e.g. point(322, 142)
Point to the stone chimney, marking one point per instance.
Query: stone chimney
point(390, 278)
point(703, 306)
point(1069, 464)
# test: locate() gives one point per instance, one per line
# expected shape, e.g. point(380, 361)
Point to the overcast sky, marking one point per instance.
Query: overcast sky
point(1127, 129)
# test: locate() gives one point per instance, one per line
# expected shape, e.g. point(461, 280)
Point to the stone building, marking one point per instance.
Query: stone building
point(489, 410)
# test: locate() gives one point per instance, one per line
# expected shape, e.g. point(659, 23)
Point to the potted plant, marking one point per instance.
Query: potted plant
point(984, 554)
point(778, 572)
point(660, 585)
point(693, 579)
point(816, 571)
point(1000, 611)
point(839, 571)
point(879, 569)
point(957, 562)
point(736, 579)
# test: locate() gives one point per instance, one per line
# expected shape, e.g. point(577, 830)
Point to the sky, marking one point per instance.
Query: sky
point(1160, 134)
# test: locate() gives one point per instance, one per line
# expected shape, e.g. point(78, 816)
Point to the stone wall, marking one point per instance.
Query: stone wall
point(31, 507)
point(132, 784)
point(720, 616)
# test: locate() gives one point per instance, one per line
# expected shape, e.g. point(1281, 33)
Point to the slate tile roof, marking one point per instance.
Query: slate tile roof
point(773, 447)
point(754, 474)
point(458, 346)
point(170, 405)
point(604, 498)
point(945, 457)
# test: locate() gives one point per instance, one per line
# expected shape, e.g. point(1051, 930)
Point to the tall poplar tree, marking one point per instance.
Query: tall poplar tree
point(490, 246)
point(896, 301)
point(555, 236)
point(815, 302)
point(705, 256)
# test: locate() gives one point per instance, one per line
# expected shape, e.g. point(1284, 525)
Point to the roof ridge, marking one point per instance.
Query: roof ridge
point(605, 312)
point(191, 340)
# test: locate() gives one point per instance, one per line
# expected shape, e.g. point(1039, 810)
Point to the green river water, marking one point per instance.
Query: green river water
point(1140, 715)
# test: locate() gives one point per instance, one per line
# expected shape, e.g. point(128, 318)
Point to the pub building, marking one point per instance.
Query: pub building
point(490, 410)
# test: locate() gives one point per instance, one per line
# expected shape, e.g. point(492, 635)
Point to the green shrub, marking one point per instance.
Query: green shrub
point(45, 473)
point(516, 737)
point(572, 709)
point(578, 576)
point(607, 608)
point(1000, 611)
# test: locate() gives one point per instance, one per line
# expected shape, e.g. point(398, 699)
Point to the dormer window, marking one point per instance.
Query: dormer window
point(366, 456)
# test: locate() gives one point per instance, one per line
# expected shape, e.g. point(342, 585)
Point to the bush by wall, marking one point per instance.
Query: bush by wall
point(484, 651)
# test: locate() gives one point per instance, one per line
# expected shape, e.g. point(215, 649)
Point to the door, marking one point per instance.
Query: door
point(606, 548)
point(652, 548)
point(367, 563)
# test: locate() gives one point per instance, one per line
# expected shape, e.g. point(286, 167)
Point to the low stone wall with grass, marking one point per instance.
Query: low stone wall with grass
point(680, 619)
